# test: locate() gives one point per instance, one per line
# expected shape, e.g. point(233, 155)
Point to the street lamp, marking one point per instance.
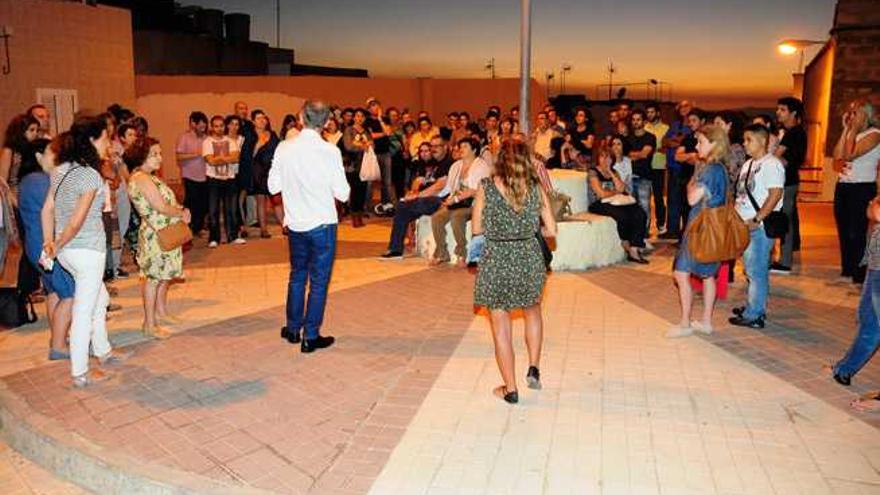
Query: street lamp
point(791, 47)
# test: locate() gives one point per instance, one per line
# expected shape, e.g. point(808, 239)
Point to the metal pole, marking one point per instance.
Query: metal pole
point(277, 23)
point(525, 55)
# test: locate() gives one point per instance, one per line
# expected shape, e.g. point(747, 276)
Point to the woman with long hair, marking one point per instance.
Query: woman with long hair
point(855, 160)
point(22, 130)
point(158, 208)
point(33, 187)
point(706, 189)
point(73, 213)
point(355, 141)
point(508, 210)
point(608, 193)
point(264, 151)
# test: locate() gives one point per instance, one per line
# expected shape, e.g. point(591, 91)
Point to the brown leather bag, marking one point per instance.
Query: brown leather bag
point(173, 236)
point(717, 234)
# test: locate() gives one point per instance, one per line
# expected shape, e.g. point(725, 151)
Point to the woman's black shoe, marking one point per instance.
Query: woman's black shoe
point(641, 261)
point(311, 345)
point(533, 377)
point(843, 380)
point(293, 338)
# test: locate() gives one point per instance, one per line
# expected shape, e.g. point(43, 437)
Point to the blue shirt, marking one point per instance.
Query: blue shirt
point(677, 127)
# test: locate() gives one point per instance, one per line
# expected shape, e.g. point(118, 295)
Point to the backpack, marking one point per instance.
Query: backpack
point(16, 308)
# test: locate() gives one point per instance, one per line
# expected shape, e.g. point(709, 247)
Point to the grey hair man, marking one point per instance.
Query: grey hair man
point(308, 173)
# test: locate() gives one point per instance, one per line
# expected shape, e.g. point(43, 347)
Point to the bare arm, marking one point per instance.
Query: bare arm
point(642, 154)
point(596, 186)
point(47, 218)
point(547, 215)
point(5, 164)
point(477, 211)
point(155, 199)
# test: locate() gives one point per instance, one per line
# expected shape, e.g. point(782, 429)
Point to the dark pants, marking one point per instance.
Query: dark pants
point(223, 198)
point(311, 260)
point(406, 212)
point(630, 221)
point(658, 187)
point(196, 200)
point(398, 174)
point(678, 210)
point(850, 204)
point(387, 187)
point(358, 191)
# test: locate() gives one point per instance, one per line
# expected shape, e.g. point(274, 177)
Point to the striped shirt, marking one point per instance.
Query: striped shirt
point(68, 188)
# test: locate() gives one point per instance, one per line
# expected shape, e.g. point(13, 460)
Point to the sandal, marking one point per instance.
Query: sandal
point(869, 402)
point(115, 357)
point(157, 332)
point(511, 397)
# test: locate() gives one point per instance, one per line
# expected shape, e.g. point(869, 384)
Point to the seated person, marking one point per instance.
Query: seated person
point(605, 182)
point(461, 187)
point(426, 195)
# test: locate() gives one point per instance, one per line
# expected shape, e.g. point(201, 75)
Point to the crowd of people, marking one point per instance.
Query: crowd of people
point(80, 197)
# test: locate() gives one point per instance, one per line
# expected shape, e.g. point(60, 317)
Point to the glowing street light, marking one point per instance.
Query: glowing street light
point(791, 47)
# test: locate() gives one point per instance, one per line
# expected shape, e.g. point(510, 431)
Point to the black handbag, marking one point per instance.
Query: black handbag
point(16, 308)
point(776, 223)
point(545, 250)
point(465, 203)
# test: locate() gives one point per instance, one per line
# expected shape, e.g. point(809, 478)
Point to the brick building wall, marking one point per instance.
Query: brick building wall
point(66, 45)
point(856, 70)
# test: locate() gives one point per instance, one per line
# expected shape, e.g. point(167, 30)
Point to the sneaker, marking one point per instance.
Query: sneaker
point(391, 255)
point(213, 244)
point(379, 210)
point(90, 377)
point(113, 307)
point(678, 332)
point(661, 231)
point(742, 321)
point(780, 269)
point(239, 241)
point(703, 329)
point(668, 236)
point(120, 273)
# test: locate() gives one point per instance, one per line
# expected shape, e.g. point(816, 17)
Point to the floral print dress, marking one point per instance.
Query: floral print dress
point(154, 263)
point(511, 272)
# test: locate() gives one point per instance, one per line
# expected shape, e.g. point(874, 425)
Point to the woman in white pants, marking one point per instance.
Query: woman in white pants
point(72, 212)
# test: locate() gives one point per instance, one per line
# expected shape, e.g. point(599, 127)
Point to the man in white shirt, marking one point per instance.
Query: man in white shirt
point(542, 136)
point(309, 175)
point(221, 158)
point(762, 178)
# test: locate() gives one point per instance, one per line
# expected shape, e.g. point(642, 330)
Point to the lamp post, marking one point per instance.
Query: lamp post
point(566, 68)
point(791, 47)
point(525, 62)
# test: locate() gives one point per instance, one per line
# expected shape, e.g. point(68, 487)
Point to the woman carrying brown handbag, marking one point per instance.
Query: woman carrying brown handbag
point(158, 209)
point(706, 189)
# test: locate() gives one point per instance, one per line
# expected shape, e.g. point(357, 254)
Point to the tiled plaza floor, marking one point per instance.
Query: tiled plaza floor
point(402, 404)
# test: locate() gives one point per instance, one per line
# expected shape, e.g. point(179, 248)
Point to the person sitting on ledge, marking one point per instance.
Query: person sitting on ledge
point(426, 196)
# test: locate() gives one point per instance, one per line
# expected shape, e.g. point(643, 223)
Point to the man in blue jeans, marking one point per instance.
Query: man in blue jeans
point(763, 178)
point(867, 339)
point(309, 175)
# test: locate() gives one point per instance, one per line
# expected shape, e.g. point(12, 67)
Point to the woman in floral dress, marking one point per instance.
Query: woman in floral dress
point(158, 208)
point(508, 209)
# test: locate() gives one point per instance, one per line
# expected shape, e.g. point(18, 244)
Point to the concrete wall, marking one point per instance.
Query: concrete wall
point(166, 101)
point(66, 45)
point(817, 101)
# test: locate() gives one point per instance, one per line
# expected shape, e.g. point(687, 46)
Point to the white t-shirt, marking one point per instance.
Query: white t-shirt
point(759, 176)
point(221, 146)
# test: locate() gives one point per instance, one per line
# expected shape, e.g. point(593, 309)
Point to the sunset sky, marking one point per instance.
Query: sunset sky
point(719, 53)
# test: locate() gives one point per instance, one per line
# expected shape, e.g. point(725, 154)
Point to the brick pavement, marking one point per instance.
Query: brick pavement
point(231, 402)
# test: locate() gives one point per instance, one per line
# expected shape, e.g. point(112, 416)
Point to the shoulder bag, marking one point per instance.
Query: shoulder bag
point(717, 234)
point(172, 236)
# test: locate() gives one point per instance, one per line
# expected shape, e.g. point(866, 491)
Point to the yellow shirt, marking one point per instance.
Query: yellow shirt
point(659, 131)
point(417, 139)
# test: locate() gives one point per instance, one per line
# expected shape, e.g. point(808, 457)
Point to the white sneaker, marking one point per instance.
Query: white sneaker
point(213, 244)
point(698, 326)
point(239, 241)
point(678, 332)
point(662, 231)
